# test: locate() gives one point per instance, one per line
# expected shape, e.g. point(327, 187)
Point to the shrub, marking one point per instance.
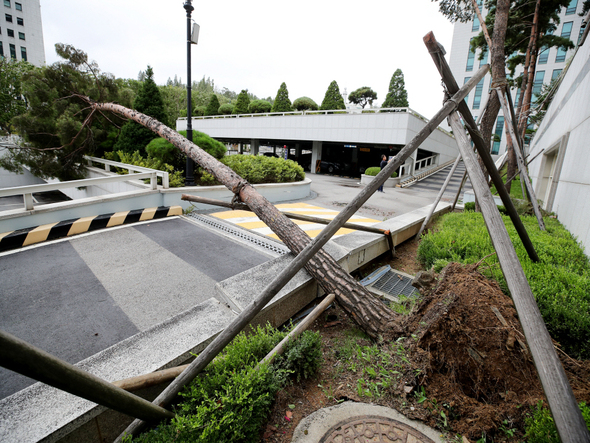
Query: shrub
point(231, 400)
point(175, 178)
point(469, 206)
point(540, 427)
point(226, 109)
point(259, 107)
point(305, 104)
point(560, 282)
point(262, 169)
point(373, 171)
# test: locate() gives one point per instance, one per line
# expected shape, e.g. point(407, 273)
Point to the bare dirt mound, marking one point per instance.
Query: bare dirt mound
point(467, 342)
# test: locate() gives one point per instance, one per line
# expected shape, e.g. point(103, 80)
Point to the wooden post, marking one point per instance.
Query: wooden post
point(240, 322)
point(438, 197)
point(524, 176)
point(568, 418)
point(480, 144)
point(459, 190)
point(24, 358)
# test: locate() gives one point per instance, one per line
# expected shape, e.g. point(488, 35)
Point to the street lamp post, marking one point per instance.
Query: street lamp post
point(189, 180)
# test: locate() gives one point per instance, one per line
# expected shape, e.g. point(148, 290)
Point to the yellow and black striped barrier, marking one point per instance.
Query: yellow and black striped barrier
point(29, 236)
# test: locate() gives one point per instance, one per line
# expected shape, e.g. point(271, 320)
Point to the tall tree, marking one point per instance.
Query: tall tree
point(363, 96)
point(397, 96)
point(333, 99)
point(242, 103)
point(135, 137)
point(282, 102)
point(52, 124)
point(12, 101)
point(212, 106)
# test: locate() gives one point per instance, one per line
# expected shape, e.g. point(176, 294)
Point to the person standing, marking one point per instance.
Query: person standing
point(382, 165)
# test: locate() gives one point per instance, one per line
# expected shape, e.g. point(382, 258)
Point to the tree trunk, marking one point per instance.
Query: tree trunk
point(373, 316)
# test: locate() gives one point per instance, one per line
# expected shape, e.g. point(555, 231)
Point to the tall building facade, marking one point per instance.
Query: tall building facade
point(550, 63)
point(21, 31)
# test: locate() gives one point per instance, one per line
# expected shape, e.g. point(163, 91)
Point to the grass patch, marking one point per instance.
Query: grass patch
point(560, 281)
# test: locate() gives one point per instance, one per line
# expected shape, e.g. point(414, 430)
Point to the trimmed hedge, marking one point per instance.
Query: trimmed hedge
point(373, 171)
point(263, 169)
point(560, 281)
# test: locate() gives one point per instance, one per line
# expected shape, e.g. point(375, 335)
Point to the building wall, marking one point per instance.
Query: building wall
point(560, 150)
point(21, 31)
point(462, 34)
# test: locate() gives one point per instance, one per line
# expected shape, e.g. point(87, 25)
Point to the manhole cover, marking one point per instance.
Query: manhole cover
point(370, 428)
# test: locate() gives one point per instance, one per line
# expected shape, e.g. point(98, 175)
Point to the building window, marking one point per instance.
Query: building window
point(23, 53)
point(477, 96)
point(475, 25)
point(20, 21)
point(581, 32)
point(7, 3)
point(18, 6)
point(484, 59)
point(538, 83)
point(555, 74)
point(13, 52)
point(10, 33)
point(465, 80)
point(566, 31)
point(543, 56)
point(21, 35)
point(498, 135)
point(470, 58)
point(571, 9)
point(1, 51)
point(8, 18)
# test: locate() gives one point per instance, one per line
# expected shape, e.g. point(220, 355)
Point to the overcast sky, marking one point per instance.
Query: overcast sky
point(259, 44)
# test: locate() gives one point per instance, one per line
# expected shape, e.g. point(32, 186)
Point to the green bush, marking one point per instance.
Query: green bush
point(165, 151)
point(305, 104)
point(374, 170)
point(560, 281)
point(540, 427)
point(226, 109)
point(262, 169)
point(175, 178)
point(231, 400)
point(469, 206)
point(259, 107)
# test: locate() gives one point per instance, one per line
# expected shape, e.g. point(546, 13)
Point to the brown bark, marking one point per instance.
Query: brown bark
point(374, 317)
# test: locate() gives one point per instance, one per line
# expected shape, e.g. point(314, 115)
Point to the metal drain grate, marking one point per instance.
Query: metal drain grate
point(390, 282)
point(242, 234)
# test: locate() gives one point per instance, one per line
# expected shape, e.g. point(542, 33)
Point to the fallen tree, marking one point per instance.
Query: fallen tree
point(373, 316)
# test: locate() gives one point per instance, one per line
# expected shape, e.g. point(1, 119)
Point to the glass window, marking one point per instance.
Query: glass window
point(581, 32)
point(555, 74)
point(1, 51)
point(7, 3)
point(484, 60)
point(20, 21)
point(498, 133)
point(475, 26)
point(21, 35)
point(13, 52)
point(571, 9)
point(543, 56)
point(538, 83)
point(8, 18)
point(10, 33)
point(465, 80)
point(470, 59)
point(477, 96)
point(18, 6)
point(23, 53)
point(566, 31)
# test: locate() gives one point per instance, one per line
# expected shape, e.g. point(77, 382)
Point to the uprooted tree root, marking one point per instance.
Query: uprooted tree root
point(467, 344)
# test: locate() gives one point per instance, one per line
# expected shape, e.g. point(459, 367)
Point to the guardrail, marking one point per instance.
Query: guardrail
point(142, 173)
point(424, 163)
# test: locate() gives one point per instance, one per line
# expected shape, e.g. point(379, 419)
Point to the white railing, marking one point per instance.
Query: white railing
point(142, 173)
point(424, 163)
point(333, 111)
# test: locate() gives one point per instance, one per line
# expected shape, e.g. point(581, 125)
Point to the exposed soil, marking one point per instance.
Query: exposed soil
point(464, 368)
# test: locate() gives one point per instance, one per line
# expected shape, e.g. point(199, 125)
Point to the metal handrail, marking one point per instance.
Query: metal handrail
point(108, 163)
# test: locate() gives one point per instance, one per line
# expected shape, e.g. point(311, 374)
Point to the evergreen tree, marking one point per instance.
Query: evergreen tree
point(282, 102)
point(362, 96)
point(135, 137)
point(305, 104)
point(397, 96)
point(333, 99)
point(242, 103)
point(212, 106)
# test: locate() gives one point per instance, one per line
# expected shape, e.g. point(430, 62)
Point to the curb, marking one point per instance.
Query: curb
point(28, 236)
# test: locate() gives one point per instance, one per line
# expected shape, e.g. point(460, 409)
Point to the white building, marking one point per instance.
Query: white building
point(550, 63)
point(21, 31)
point(560, 149)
